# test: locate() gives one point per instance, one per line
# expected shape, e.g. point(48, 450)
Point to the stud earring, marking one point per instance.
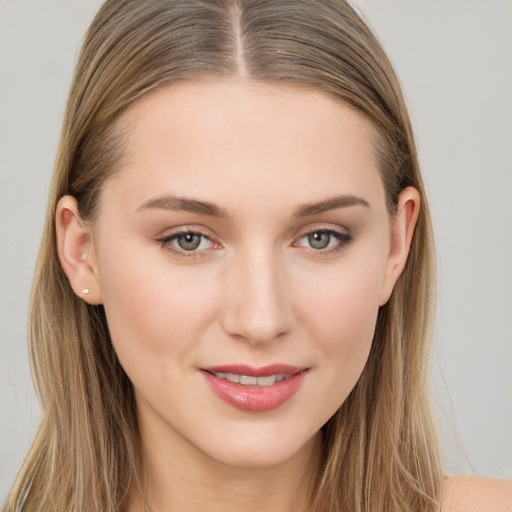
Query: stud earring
point(85, 291)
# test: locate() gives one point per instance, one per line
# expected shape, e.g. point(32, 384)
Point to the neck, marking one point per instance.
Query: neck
point(180, 478)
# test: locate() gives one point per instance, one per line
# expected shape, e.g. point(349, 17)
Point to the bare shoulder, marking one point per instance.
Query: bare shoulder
point(475, 494)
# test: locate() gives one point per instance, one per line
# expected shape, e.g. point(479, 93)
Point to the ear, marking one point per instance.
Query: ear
point(76, 252)
point(403, 223)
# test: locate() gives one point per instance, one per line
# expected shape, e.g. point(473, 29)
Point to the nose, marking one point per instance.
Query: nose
point(257, 301)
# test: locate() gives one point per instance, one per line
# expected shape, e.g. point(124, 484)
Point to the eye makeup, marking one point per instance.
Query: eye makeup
point(191, 243)
point(187, 243)
point(327, 240)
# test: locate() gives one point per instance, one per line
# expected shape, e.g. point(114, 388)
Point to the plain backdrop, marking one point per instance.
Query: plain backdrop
point(454, 58)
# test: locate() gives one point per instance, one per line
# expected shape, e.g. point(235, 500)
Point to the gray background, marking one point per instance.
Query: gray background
point(454, 58)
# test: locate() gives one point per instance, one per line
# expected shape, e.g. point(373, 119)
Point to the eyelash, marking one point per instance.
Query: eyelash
point(166, 243)
point(343, 239)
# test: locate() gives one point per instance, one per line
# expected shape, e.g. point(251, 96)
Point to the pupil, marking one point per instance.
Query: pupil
point(319, 240)
point(189, 241)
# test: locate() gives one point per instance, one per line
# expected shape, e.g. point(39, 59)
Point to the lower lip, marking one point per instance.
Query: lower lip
point(255, 398)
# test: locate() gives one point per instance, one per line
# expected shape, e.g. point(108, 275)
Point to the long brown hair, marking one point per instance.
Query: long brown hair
point(379, 451)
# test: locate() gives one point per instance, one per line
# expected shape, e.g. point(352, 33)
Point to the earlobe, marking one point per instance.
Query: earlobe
point(76, 251)
point(402, 230)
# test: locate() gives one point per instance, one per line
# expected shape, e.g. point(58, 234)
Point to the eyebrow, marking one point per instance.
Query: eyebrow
point(332, 203)
point(174, 203)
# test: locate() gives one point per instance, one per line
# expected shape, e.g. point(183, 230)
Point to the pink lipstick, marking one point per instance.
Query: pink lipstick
point(255, 389)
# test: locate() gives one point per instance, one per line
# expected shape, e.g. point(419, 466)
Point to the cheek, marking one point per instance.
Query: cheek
point(345, 301)
point(154, 310)
point(342, 317)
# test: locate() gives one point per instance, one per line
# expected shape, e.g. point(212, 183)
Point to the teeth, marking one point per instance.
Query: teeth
point(247, 380)
point(267, 381)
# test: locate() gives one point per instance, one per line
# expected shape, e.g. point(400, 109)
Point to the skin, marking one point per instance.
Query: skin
point(255, 291)
point(474, 494)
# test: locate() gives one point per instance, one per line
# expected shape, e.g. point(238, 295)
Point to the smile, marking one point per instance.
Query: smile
point(250, 380)
point(255, 389)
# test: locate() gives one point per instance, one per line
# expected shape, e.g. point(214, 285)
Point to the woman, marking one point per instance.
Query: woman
point(234, 295)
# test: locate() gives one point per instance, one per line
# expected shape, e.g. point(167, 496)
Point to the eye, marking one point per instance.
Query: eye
point(319, 240)
point(190, 241)
point(325, 240)
point(184, 242)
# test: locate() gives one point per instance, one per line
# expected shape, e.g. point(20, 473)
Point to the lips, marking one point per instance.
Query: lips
point(255, 389)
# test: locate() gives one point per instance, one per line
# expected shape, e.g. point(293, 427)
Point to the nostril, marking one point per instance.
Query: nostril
point(256, 331)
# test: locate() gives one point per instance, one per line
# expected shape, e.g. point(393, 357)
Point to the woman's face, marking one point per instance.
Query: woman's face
point(245, 238)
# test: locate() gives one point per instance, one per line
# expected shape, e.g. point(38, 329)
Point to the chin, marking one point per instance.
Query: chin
point(264, 451)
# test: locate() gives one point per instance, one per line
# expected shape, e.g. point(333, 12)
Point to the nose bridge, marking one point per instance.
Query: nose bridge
point(258, 306)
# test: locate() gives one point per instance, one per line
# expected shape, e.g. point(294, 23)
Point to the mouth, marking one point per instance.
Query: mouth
point(255, 389)
point(249, 380)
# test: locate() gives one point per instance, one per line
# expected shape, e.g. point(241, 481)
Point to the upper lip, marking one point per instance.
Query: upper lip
point(253, 371)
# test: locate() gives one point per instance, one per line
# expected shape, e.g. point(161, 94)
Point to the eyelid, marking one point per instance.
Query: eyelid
point(166, 240)
point(344, 238)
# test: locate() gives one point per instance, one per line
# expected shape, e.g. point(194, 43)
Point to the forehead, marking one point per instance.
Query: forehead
point(250, 137)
